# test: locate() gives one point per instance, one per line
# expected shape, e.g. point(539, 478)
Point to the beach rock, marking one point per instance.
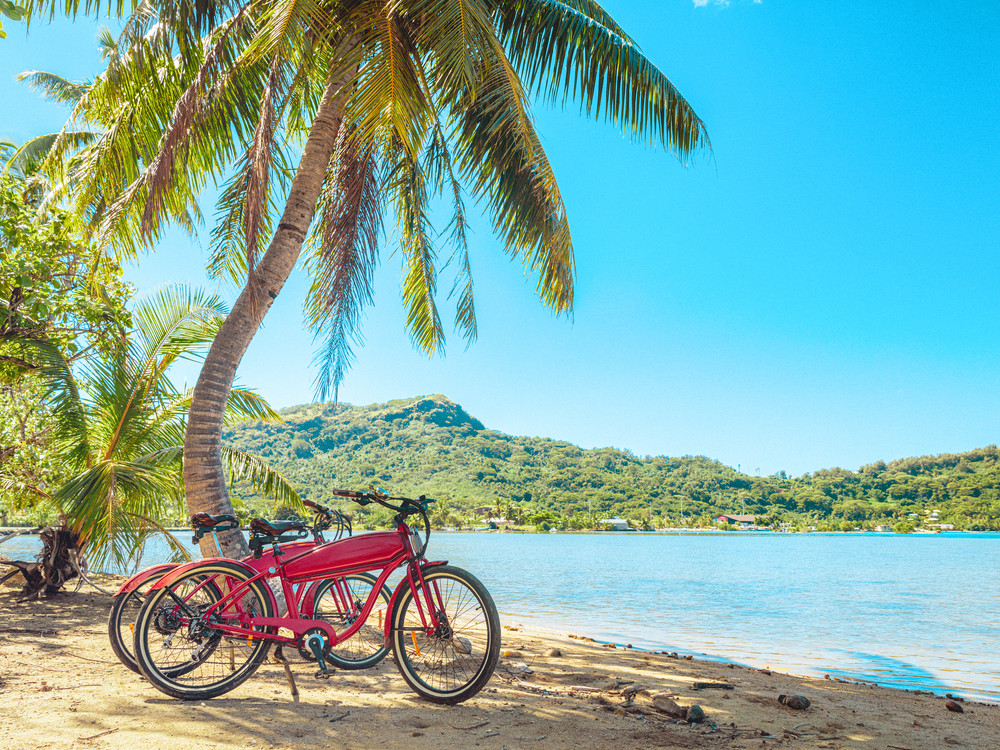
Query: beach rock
point(956, 707)
point(695, 714)
point(689, 657)
point(511, 653)
point(552, 653)
point(666, 704)
point(798, 702)
point(520, 666)
point(462, 645)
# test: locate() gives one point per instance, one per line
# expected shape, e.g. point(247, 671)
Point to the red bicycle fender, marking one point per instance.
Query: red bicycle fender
point(308, 603)
point(399, 590)
point(142, 576)
point(181, 570)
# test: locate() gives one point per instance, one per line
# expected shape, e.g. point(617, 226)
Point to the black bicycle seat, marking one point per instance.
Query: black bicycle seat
point(207, 520)
point(264, 527)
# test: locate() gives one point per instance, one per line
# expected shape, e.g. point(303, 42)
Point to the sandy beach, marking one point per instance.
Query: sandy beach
point(61, 687)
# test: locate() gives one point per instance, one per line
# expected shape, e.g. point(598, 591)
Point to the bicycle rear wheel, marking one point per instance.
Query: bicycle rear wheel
point(121, 620)
point(339, 601)
point(190, 657)
point(454, 663)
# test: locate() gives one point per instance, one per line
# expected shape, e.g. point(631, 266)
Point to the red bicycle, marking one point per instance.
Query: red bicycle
point(338, 600)
point(206, 626)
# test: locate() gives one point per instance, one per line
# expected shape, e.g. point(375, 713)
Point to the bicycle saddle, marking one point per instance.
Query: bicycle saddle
point(207, 520)
point(275, 528)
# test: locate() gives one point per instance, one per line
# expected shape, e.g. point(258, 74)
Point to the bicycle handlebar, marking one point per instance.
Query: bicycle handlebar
point(407, 506)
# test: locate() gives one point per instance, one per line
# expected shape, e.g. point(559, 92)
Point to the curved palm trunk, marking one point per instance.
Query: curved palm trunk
point(204, 481)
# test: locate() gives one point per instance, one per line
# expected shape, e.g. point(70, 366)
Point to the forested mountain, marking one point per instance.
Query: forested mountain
point(431, 445)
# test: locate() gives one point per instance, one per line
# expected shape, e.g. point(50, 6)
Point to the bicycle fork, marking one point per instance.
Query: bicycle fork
point(430, 607)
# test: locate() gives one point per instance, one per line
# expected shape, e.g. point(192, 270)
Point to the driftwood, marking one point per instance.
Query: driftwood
point(53, 567)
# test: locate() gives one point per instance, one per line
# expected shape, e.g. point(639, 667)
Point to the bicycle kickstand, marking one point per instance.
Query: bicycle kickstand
point(279, 657)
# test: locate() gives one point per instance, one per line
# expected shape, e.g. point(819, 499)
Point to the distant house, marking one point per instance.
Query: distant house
point(618, 524)
point(744, 522)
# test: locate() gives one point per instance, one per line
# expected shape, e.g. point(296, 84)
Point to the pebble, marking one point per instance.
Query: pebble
point(798, 702)
point(553, 652)
point(511, 653)
point(695, 714)
point(956, 707)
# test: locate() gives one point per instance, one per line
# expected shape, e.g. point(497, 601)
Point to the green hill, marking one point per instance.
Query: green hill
point(431, 445)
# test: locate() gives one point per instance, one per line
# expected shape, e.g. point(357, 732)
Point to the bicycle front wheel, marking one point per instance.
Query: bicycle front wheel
point(339, 601)
point(451, 663)
point(188, 655)
point(121, 620)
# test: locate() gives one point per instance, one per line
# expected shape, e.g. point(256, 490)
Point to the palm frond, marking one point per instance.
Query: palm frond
point(32, 156)
point(244, 405)
point(441, 174)
point(265, 480)
point(107, 501)
point(565, 49)
point(408, 185)
point(71, 436)
point(500, 153)
point(343, 254)
point(189, 107)
point(53, 87)
point(175, 322)
point(388, 99)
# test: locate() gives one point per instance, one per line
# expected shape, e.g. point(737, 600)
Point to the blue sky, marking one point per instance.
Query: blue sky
point(819, 291)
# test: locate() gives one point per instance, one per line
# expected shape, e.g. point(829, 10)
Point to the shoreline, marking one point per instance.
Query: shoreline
point(669, 531)
point(61, 687)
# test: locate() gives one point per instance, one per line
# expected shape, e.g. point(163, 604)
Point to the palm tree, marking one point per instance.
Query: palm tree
point(117, 432)
point(395, 104)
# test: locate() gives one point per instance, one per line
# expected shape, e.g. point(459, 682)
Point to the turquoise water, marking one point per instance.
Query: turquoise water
point(912, 611)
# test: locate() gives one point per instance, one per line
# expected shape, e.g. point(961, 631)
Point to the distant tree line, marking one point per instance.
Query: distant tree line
point(431, 445)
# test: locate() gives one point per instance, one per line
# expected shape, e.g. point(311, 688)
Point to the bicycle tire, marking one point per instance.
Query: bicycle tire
point(453, 666)
point(121, 620)
point(367, 647)
point(204, 672)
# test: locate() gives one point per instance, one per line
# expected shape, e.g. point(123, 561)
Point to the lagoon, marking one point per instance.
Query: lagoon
point(909, 611)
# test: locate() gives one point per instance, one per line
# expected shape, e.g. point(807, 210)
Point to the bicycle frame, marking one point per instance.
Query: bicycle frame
point(304, 595)
point(384, 551)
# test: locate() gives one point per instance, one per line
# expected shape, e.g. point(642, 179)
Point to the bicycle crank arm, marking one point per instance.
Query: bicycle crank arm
point(316, 644)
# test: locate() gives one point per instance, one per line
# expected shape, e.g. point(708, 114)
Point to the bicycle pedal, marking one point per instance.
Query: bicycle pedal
point(324, 674)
